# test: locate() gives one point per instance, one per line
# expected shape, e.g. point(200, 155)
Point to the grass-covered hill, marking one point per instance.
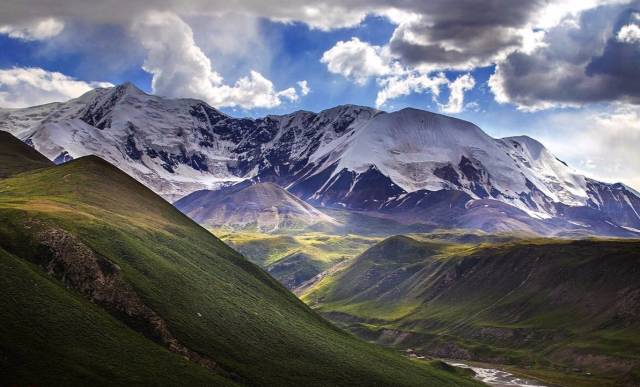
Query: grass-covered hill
point(547, 304)
point(105, 283)
point(296, 258)
point(16, 158)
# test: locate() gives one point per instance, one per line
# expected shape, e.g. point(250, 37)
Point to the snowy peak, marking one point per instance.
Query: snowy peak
point(552, 176)
point(349, 156)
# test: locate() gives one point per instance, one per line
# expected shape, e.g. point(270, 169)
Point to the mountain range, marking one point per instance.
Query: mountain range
point(411, 166)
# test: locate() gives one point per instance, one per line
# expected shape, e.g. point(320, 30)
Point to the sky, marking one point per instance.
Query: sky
point(566, 72)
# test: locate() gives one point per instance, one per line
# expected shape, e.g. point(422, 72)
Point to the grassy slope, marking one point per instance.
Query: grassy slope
point(296, 257)
point(16, 157)
point(214, 301)
point(51, 336)
point(548, 303)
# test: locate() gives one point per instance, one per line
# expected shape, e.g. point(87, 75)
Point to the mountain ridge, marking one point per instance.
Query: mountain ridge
point(350, 157)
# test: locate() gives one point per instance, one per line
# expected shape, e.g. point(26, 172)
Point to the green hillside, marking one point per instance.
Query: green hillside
point(294, 258)
point(101, 277)
point(559, 305)
point(15, 157)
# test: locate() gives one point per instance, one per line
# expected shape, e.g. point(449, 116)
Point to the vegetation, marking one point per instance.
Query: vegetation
point(560, 310)
point(215, 302)
point(16, 158)
point(294, 258)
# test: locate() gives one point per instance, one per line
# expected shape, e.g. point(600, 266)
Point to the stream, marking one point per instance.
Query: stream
point(498, 378)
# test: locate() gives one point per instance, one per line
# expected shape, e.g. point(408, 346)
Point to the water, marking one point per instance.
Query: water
point(498, 378)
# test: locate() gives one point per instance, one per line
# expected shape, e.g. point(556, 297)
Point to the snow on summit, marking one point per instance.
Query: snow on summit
point(340, 156)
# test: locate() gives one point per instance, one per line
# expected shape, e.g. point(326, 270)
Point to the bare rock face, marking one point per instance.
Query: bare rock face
point(101, 281)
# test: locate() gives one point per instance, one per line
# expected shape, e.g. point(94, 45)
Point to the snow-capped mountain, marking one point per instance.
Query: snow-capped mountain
point(409, 164)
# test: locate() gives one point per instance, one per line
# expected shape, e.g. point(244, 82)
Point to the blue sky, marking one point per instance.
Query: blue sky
point(563, 72)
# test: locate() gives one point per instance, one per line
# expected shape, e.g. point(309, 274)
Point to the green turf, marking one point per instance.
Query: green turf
point(51, 336)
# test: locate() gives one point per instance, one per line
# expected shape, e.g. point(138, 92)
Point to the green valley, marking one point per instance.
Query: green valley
point(565, 311)
point(295, 258)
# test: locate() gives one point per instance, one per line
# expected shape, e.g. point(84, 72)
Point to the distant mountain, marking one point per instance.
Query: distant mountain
point(545, 303)
point(105, 283)
point(410, 165)
point(263, 206)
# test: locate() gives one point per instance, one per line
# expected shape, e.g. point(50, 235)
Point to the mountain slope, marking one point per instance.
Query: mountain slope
point(295, 258)
point(176, 146)
point(16, 158)
point(262, 206)
point(347, 157)
point(122, 276)
point(34, 303)
point(544, 303)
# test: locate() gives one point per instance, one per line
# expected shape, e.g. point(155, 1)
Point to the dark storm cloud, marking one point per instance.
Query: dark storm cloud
point(581, 63)
point(463, 33)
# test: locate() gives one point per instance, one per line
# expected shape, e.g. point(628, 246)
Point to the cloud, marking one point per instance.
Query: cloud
point(356, 60)
point(39, 29)
point(238, 42)
point(521, 37)
point(400, 85)
point(457, 88)
point(181, 69)
point(324, 15)
point(22, 87)
point(304, 88)
point(359, 61)
point(452, 46)
point(602, 143)
point(629, 34)
point(581, 61)
point(524, 40)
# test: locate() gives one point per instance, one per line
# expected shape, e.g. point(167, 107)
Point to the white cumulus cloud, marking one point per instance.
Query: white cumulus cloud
point(602, 143)
point(356, 60)
point(629, 34)
point(181, 69)
point(457, 88)
point(405, 84)
point(304, 88)
point(22, 87)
